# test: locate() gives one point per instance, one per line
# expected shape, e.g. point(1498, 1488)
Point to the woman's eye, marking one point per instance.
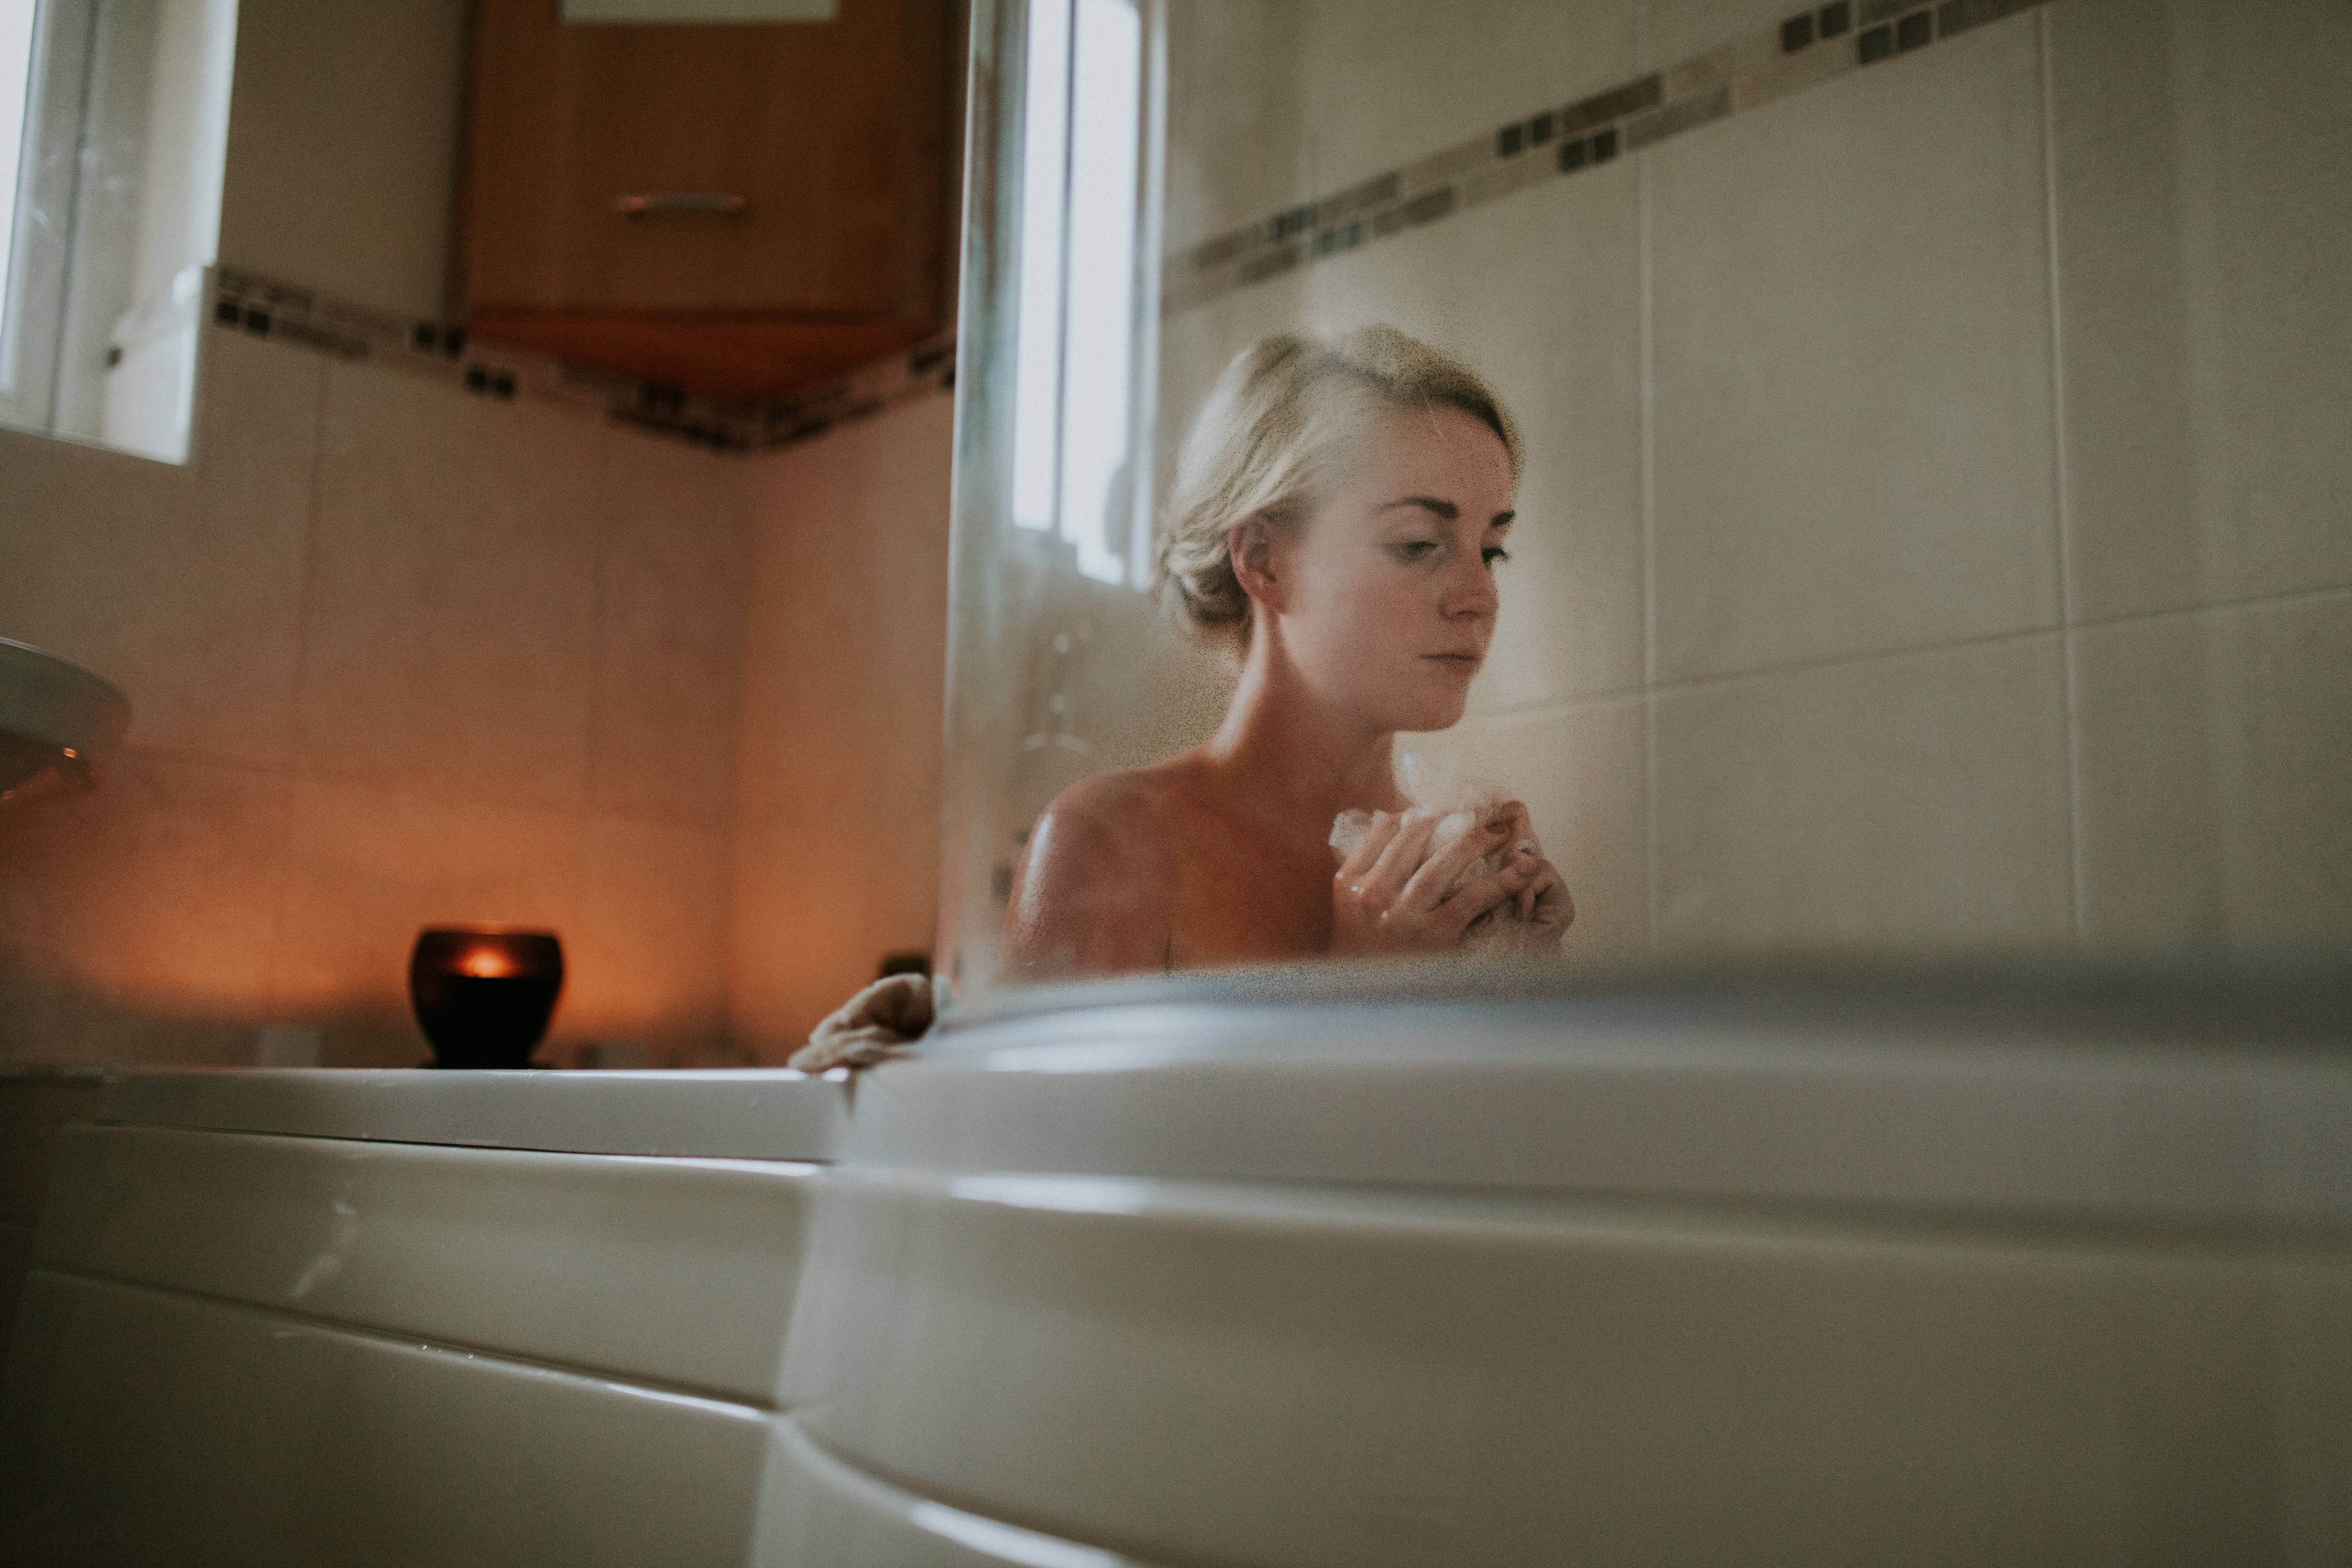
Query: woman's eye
point(1495, 555)
point(1414, 550)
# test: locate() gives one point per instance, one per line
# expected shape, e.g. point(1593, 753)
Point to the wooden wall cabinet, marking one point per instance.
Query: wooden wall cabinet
point(737, 210)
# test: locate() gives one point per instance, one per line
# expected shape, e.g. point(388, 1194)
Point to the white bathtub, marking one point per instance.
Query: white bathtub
point(410, 1317)
point(1272, 1271)
point(1964, 1269)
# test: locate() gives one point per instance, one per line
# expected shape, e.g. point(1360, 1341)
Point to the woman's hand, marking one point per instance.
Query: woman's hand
point(1386, 900)
point(1545, 907)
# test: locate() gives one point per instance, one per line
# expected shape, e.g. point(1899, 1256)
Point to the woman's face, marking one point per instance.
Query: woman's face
point(1385, 599)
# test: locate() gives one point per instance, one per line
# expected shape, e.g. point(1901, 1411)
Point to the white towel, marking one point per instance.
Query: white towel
point(877, 1022)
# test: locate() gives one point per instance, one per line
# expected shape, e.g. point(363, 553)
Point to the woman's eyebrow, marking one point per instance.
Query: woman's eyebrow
point(1503, 519)
point(1445, 509)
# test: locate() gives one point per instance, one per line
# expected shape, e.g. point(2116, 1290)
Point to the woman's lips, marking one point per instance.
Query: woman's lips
point(1466, 662)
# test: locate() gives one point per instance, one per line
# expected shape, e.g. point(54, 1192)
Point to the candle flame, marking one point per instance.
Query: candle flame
point(487, 963)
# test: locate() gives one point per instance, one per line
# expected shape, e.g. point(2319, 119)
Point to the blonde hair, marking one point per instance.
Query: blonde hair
point(1268, 439)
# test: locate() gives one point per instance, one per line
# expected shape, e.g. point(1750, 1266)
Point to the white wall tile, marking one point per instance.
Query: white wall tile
point(1235, 153)
point(183, 587)
point(344, 123)
point(1853, 445)
point(2204, 223)
point(804, 934)
point(1579, 770)
point(1675, 30)
point(137, 918)
point(669, 631)
point(2217, 777)
point(450, 638)
point(844, 651)
point(1910, 802)
point(645, 946)
point(838, 839)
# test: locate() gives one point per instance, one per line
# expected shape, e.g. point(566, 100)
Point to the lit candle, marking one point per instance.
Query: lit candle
point(484, 996)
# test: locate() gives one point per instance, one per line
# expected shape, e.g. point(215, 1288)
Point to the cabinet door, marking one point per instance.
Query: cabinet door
point(831, 137)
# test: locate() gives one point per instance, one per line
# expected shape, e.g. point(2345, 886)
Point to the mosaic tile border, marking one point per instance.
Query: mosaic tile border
point(289, 313)
point(1810, 47)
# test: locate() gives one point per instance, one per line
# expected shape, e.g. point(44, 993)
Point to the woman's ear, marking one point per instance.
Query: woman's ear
point(1251, 548)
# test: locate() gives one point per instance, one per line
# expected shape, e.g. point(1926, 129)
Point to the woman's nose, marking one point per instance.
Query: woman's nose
point(1472, 592)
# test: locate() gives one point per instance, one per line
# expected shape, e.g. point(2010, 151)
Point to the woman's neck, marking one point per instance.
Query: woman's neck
point(1287, 756)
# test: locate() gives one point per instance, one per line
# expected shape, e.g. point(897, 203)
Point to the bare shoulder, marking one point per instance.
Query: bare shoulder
point(1129, 807)
point(1095, 891)
point(1113, 825)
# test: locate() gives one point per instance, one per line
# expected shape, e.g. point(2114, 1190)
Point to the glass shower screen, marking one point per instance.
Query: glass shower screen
point(1919, 425)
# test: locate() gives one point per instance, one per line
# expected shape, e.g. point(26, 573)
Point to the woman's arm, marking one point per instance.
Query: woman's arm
point(1094, 891)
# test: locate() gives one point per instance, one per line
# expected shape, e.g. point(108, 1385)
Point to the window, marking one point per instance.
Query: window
point(113, 132)
point(1077, 463)
point(17, 22)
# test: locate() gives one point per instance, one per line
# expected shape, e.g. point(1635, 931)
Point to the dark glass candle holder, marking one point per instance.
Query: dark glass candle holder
point(483, 996)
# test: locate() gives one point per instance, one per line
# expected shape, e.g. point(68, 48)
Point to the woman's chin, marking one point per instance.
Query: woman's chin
point(1439, 710)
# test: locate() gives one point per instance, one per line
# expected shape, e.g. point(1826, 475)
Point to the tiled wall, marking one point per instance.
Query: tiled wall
point(1932, 534)
point(837, 846)
point(396, 655)
point(1932, 538)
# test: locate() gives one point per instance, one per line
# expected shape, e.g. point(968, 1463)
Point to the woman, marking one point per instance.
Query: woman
point(1338, 512)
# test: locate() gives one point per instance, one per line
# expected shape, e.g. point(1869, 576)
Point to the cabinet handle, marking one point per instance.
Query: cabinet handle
point(638, 206)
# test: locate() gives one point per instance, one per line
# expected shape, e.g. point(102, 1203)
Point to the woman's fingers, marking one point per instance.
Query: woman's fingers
point(1431, 884)
point(1401, 858)
point(1548, 927)
point(1391, 894)
point(1368, 848)
point(1553, 906)
point(1487, 892)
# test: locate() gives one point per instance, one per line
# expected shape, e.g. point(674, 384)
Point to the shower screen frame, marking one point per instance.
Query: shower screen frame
point(1014, 562)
